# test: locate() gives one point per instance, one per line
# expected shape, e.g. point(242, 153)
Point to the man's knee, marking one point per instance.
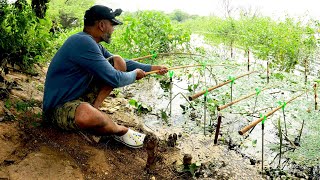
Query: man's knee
point(119, 63)
point(87, 116)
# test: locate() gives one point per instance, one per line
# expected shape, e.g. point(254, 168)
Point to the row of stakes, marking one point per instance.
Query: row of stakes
point(252, 125)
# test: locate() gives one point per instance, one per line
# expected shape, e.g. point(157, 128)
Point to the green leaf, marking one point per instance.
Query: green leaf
point(204, 64)
point(133, 102)
point(282, 104)
point(232, 79)
point(171, 73)
point(206, 93)
point(258, 91)
point(264, 118)
point(254, 143)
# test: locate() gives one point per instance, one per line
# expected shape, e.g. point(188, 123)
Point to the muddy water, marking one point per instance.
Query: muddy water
point(187, 123)
point(190, 123)
point(189, 126)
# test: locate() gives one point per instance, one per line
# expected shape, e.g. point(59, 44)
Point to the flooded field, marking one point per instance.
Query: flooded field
point(190, 120)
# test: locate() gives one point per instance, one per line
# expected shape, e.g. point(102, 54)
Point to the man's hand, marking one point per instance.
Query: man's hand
point(140, 74)
point(162, 69)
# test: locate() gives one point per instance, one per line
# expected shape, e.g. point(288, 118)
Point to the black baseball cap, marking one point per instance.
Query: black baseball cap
point(99, 12)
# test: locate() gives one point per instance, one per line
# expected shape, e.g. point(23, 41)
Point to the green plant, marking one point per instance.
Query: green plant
point(140, 108)
point(284, 44)
point(24, 37)
point(147, 31)
point(192, 168)
point(67, 14)
point(164, 116)
point(8, 104)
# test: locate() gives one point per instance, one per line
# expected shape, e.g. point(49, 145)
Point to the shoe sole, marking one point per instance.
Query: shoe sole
point(129, 145)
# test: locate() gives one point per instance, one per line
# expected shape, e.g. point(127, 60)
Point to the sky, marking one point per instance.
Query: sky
point(272, 8)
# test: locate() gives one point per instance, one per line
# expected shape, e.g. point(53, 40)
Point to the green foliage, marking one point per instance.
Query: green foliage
point(140, 108)
point(68, 13)
point(23, 106)
point(165, 84)
point(192, 87)
point(178, 15)
point(279, 76)
point(164, 116)
point(24, 37)
point(147, 31)
point(284, 44)
point(192, 168)
point(254, 143)
point(8, 104)
point(308, 153)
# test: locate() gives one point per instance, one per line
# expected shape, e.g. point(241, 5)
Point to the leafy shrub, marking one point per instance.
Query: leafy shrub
point(146, 31)
point(284, 44)
point(68, 14)
point(24, 37)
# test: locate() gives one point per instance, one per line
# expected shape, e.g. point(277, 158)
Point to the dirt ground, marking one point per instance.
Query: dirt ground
point(29, 150)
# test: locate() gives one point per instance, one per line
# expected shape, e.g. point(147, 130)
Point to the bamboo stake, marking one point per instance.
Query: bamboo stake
point(238, 100)
point(315, 97)
point(262, 150)
point(254, 123)
point(164, 54)
point(280, 138)
point(267, 72)
point(204, 114)
point(248, 60)
point(180, 67)
point(217, 129)
point(306, 70)
point(217, 86)
point(170, 96)
point(231, 91)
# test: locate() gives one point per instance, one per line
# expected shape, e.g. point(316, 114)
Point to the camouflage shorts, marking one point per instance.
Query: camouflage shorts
point(64, 116)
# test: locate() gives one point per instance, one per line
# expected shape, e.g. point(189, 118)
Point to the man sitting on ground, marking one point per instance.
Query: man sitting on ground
point(83, 73)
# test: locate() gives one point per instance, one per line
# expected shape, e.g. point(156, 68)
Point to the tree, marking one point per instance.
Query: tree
point(39, 7)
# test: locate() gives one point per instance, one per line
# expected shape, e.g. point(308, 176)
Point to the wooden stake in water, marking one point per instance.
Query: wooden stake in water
point(280, 137)
point(306, 70)
point(262, 141)
point(205, 114)
point(170, 95)
point(232, 79)
point(205, 98)
point(315, 97)
point(218, 128)
point(267, 72)
point(248, 61)
point(283, 105)
point(255, 104)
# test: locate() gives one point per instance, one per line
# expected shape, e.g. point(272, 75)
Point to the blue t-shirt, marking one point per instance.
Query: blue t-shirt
point(76, 63)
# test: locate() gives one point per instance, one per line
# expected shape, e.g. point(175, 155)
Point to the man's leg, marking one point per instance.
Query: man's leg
point(120, 65)
point(90, 118)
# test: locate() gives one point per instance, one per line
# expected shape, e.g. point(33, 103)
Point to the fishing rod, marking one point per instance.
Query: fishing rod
point(165, 54)
point(181, 67)
point(217, 86)
point(240, 99)
point(254, 123)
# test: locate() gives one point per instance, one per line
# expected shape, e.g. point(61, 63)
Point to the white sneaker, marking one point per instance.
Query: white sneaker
point(132, 139)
